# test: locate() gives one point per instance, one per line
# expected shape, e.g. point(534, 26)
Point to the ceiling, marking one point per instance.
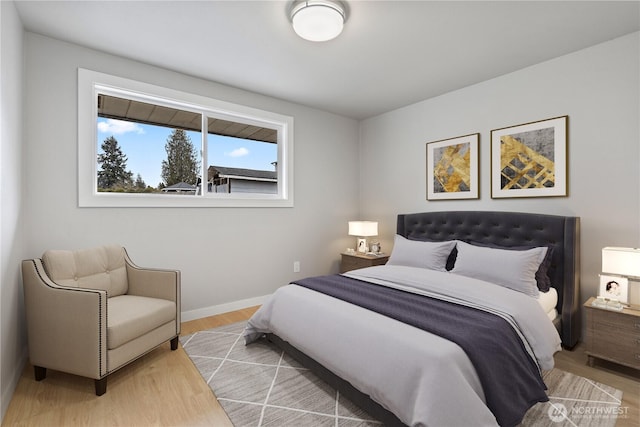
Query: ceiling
point(390, 54)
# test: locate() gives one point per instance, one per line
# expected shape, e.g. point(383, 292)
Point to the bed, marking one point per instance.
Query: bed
point(401, 371)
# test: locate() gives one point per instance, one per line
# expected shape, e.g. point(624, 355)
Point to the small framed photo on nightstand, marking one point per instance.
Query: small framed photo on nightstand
point(362, 246)
point(614, 287)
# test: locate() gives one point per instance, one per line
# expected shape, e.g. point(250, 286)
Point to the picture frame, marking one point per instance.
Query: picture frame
point(362, 246)
point(614, 288)
point(453, 168)
point(530, 160)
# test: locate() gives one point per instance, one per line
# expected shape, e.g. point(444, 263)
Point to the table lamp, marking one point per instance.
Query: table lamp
point(622, 263)
point(362, 230)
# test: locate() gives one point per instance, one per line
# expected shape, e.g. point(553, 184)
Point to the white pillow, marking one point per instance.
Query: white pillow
point(513, 269)
point(414, 253)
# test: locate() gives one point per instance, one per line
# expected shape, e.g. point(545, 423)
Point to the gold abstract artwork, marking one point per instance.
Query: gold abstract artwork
point(521, 167)
point(452, 172)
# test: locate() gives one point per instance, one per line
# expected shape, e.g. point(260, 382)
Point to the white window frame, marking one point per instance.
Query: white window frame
point(90, 83)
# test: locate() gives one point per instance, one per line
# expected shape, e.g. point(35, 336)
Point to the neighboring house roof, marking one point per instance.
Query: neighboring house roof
point(181, 186)
point(239, 173)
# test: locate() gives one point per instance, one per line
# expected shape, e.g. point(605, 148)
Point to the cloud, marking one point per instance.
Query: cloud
point(118, 127)
point(238, 152)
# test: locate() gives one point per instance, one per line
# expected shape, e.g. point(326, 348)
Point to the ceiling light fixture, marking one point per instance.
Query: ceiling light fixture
point(318, 20)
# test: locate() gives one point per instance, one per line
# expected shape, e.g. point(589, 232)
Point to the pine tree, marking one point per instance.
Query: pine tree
point(113, 173)
point(182, 159)
point(140, 184)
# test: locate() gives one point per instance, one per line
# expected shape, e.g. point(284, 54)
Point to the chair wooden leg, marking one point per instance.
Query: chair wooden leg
point(101, 386)
point(174, 343)
point(40, 373)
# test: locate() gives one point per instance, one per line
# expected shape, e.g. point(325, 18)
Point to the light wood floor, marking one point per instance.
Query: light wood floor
point(163, 388)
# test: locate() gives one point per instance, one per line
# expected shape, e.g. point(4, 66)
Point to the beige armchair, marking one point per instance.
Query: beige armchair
point(91, 312)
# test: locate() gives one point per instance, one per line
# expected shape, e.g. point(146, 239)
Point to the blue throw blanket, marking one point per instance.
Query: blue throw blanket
point(510, 378)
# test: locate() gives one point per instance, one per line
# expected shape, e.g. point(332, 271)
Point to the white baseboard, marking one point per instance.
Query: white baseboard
point(9, 386)
point(222, 308)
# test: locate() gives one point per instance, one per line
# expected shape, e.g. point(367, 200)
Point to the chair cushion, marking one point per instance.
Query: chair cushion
point(96, 268)
point(131, 316)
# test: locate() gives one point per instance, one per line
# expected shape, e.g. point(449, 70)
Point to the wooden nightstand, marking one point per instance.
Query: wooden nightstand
point(613, 335)
point(356, 261)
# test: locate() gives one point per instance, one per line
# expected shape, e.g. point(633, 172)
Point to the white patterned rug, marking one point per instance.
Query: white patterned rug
point(258, 385)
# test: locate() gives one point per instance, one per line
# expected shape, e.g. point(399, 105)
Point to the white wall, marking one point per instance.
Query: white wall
point(598, 88)
point(225, 254)
point(12, 331)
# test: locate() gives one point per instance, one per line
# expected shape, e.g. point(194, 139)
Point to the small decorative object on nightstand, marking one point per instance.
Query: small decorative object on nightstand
point(354, 261)
point(613, 335)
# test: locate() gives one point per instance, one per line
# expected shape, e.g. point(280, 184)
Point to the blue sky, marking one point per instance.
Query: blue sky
point(144, 147)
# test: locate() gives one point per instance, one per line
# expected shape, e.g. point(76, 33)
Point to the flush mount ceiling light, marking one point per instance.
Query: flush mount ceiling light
point(318, 20)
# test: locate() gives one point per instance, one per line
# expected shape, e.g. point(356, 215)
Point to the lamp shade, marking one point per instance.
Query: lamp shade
point(621, 261)
point(318, 20)
point(363, 228)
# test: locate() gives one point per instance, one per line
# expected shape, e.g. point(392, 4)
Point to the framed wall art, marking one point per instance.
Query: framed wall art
point(530, 160)
point(452, 168)
point(613, 287)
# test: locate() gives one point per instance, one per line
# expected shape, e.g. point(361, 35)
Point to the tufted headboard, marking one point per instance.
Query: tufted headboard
point(515, 229)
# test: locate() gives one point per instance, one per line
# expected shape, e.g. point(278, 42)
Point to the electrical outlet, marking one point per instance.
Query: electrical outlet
point(296, 266)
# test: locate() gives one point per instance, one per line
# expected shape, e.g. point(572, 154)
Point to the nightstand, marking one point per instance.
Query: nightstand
point(613, 335)
point(355, 261)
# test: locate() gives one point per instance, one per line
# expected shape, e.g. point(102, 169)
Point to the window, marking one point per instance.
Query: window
point(143, 145)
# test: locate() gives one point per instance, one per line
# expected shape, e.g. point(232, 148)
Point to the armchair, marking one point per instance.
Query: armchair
point(91, 312)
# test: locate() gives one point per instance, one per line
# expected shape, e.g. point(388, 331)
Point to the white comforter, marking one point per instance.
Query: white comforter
point(424, 379)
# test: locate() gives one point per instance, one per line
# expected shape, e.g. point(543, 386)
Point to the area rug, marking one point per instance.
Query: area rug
point(259, 385)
